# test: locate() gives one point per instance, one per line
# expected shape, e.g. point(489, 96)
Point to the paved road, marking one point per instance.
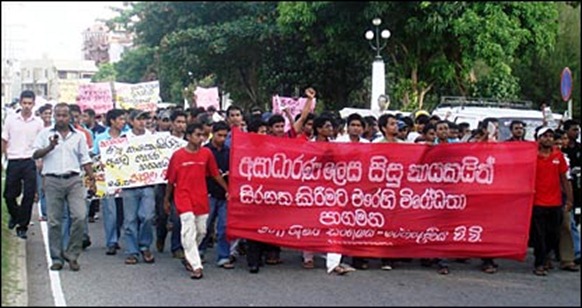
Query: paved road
point(107, 281)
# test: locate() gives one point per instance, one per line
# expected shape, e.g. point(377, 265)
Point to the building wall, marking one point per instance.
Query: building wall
point(44, 75)
point(103, 45)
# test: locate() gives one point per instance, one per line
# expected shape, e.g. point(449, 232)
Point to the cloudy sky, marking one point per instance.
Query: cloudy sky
point(52, 28)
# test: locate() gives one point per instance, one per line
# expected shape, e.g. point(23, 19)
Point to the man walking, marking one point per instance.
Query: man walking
point(177, 129)
point(217, 197)
point(112, 203)
point(18, 135)
point(192, 164)
point(551, 181)
point(139, 204)
point(64, 151)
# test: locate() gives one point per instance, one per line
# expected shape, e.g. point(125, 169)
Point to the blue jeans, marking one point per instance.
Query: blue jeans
point(111, 226)
point(217, 211)
point(41, 196)
point(139, 209)
point(575, 235)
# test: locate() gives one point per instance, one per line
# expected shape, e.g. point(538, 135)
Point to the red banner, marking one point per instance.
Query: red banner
point(383, 200)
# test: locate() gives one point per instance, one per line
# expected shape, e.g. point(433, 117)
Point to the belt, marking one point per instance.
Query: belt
point(63, 176)
point(20, 159)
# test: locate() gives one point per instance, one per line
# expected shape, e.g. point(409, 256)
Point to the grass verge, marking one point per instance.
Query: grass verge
point(8, 252)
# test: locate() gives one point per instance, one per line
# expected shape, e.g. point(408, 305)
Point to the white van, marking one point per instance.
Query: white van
point(474, 110)
point(345, 112)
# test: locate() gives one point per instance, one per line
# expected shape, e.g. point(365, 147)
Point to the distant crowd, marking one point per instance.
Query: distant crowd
point(50, 155)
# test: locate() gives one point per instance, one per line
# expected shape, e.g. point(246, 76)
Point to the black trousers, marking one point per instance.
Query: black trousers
point(545, 232)
point(256, 250)
point(20, 179)
point(119, 210)
point(577, 192)
point(94, 207)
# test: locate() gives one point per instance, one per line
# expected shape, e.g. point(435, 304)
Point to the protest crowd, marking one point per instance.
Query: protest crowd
point(51, 157)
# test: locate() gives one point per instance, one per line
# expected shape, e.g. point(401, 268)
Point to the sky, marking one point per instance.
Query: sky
point(51, 28)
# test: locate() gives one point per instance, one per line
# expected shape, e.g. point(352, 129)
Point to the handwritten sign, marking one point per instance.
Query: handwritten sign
point(295, 106)
point(100, 183)
point(138, 161)
point(207, 97)
point(69, 89)
point(383, 200)
point(143, 96)
point(97, 96)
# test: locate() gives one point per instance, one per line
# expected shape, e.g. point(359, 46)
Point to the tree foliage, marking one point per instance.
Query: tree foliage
point(540, 74)
point(256, 49)
point(138, 65)
point(106, 72)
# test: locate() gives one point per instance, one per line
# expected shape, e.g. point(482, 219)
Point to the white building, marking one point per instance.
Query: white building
point(104, 45)
point(47, 77)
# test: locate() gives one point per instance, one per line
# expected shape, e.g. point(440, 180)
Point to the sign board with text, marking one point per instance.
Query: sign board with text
point(295, 106)
point(381, 199)
point(138, 161)
point(97, 96)
point(143, 96)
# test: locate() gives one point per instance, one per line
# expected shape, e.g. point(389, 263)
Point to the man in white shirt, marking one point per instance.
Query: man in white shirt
point(18, 134)
point(64, 151)
point(355, 130)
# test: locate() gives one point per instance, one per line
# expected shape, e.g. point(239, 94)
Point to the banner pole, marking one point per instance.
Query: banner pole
point(113, 94)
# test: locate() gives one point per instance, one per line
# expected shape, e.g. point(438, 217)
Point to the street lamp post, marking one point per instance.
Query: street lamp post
point(187, 91)
point(378, 72)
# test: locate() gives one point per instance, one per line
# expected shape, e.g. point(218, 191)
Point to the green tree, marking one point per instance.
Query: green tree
point(137, 65)
point(467, 48)
point(106, 72)
point(256, 49)
point(540, 74)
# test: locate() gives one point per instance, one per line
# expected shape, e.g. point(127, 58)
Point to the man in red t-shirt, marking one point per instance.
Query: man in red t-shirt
point(551, 181)
point(188, 165)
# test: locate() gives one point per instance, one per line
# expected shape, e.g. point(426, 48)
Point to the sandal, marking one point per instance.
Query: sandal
point(131, 260)
point(187, 265)
point(443, 270)
point(148, 257)
point(570, 268)
point(227, 265)
point(196, 274)
point(339, 270)
point(309, 264)
point(540, 271)
point(273, 261)
point(548, 266)
point(489, 269)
